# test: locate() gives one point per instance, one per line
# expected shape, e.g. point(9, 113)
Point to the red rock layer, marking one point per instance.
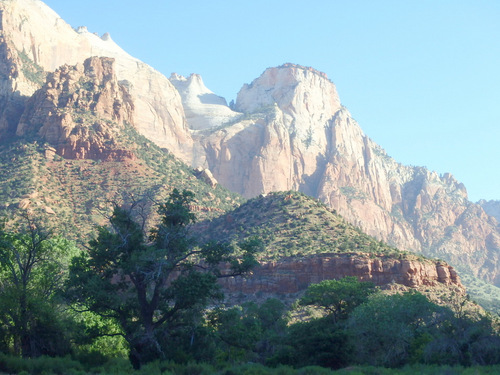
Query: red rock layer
point(293, 275)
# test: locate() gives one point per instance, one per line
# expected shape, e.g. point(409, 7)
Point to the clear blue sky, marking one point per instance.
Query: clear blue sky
point(421, 77)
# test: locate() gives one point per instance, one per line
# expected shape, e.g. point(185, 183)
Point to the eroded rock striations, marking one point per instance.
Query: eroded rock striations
point(292, 275)
point(81, 111)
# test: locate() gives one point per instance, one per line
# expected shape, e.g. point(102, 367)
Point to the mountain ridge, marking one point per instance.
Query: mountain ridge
point(294, 134)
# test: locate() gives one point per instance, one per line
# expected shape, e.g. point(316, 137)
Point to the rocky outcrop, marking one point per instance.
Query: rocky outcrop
point(206, 176)
point(80, 111)
point(203, 108)
point(281, 143)
point(292, 275)
point(36, 37)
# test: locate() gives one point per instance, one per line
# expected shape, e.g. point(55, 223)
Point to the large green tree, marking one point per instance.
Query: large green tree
point(338, 298)
point(249, 332)
point(32, 268)
point(154, 285)
point(388, 330)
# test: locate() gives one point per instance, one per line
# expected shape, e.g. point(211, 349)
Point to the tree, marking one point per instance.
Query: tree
point(337, 297)
point(154, 286)
point(318, 342)
point(464, 337)
point(388, 328)
point(249, 332)
point(32, 264)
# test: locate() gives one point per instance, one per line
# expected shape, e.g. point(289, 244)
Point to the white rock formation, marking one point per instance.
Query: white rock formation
point(203, 108)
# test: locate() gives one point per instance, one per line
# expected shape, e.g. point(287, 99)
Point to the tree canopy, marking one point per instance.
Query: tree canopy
point(154, 285)
point(32, 265)
point(337, 297)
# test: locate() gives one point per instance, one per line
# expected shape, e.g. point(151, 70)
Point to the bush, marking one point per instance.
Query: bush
point(40, 365)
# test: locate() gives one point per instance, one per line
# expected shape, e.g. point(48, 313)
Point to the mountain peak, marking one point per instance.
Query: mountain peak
point(302, 67)
point(203, 108)
point(37, 39)
point(294, 88)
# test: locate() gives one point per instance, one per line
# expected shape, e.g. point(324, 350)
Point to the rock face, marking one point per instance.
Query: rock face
point(279, 142)
point(203, 108)
point(296, 136)
point(34, 39)
point(289, 276)
point(80, 111)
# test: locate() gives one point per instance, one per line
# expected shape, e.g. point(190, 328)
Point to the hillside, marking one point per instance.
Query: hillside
point(293, 224)
point(77, 195)
point(306, 241)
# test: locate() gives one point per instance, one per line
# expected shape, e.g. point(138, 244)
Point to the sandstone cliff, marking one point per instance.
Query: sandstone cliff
point(81, 111)
point(34, 39)
point(291, 275)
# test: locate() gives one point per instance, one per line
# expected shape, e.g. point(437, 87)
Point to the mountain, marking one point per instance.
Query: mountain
point(77, 154)
point(296, 135)
point(287, 131)
point(35, 40)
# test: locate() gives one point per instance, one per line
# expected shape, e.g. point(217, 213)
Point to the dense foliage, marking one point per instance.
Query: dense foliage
point(156, 286)
point(32, 269)
point(150, 296)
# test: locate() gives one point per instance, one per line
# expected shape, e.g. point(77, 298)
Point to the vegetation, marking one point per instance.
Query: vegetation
point(293, 224)
point(32, 264)
point(485, 294)
point(32, 71)
point(79, 192)
point(337, 297)
point(149, 297)
point(156, 289)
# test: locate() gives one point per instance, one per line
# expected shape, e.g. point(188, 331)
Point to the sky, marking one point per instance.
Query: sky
point(421, 77)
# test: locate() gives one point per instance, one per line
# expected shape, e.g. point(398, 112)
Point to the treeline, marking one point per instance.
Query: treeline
point(153, 298)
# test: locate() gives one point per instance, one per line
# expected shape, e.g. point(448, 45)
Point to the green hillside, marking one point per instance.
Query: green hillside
point(77, 195)
point(292, 224)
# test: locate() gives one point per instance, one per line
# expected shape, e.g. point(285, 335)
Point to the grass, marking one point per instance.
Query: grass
point(118, 366)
